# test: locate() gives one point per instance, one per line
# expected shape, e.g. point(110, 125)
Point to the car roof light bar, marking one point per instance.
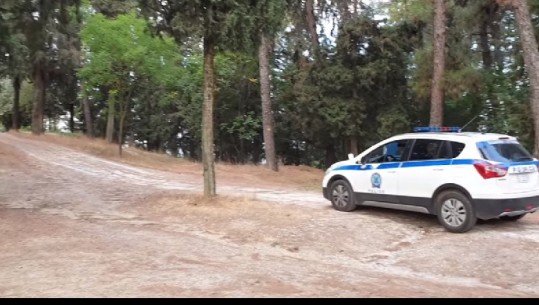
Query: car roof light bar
point(437, 129)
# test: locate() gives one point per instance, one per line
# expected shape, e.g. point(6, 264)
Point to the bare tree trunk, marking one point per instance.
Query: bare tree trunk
point(123, 113)
point(496, 32)
point(208, 161)
point(267, 114)
point(531, 60)
point(121, 132)
point(16, 114)
point(490, 24)
point(330, 155)
point(110, 121)
point(311, 25)
point(72, 117)
point(39, 102)
point(89, 124)
point(437, 90)
point(353, 145)
point(344, 8)
point(484, 41)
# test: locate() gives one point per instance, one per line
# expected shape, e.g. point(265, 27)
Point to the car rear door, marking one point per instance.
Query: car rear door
point(423, 172)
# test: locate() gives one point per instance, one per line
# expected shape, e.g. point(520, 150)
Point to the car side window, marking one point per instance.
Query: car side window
point(428, 149)
point(445, 151)
point(390, 152)
point(456, 148)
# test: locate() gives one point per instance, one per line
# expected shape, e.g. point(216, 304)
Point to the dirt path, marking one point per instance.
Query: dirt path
point(73, 225)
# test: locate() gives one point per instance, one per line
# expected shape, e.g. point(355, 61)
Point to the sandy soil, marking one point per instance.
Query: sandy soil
point(75, 225)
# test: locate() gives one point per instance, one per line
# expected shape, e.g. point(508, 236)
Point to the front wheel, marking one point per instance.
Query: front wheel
point(455, 211)
point(342, 196)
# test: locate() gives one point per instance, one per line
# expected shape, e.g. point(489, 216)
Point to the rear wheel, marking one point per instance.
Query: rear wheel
point(455, 211)
point(512, 218)
point(342, 196)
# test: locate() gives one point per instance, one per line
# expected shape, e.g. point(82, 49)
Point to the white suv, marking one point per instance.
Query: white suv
point(458, 176)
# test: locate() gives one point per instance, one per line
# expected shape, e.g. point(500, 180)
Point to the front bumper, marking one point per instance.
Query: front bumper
point(495, 208)
point(325, 191)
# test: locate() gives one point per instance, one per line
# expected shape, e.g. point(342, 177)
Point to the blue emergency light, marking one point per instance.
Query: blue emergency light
point(437, 129)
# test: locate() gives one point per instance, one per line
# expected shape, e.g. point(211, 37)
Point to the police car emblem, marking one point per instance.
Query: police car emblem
point(376, 180)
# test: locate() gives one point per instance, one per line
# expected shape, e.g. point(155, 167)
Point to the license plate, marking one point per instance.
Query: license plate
point(520, 169)
point(523, 178)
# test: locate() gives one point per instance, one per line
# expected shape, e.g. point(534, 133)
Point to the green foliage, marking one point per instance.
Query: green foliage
point(372, 80)
point(393, 121)
point(246, 126)
point(359, 89)
point(189, 19)
point(118, 48)
point(411, 10)
point(111, 9)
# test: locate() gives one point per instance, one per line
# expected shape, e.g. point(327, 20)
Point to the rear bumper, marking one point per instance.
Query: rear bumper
point(494, 208)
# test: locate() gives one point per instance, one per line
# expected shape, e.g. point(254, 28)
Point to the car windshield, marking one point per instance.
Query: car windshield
point(504, 151)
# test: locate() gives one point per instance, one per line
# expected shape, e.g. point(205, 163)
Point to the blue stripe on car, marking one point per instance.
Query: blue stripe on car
point(462, 161)
point(389, 165)
point(409, 164)
point(426, 163)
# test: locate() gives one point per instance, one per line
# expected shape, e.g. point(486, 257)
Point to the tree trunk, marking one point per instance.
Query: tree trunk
point(492, 59)
point(311, 25)
point(531, 60)
point(121, 132)
point(484, 41)
point(110, 121)
point(437, 90)
point(16, 114)
point(88, 122)
point(353, 145)
point(497, 39)
point(344, 8)
point(72, 117)
point(267, 114)
point(330, 155)
point(208, 161)
point(123, 113)
point(39, 102)
point(131, 141)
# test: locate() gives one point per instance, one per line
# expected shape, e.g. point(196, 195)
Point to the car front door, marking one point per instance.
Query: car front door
point(377, 178)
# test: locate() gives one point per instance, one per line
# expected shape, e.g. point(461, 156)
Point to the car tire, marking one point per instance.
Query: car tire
point(455, 211)
point(342, 196)
point(512, 218)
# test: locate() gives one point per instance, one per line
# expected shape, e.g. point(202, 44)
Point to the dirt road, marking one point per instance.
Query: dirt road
point(73, 225)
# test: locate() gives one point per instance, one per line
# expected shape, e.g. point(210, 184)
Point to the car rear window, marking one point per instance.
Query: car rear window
point(504, 151)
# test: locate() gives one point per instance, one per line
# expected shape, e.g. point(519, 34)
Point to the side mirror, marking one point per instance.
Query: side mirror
point(350, 156)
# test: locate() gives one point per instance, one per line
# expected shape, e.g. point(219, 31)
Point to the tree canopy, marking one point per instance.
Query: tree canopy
point(325, 77)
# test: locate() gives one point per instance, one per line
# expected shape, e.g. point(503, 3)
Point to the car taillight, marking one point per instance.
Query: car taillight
point(487, 170)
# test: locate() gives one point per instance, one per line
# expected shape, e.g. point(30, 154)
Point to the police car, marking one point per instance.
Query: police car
point(458, 176)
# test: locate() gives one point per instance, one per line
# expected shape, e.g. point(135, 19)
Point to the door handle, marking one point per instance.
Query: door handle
point(391, 172)
point(438, 169)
